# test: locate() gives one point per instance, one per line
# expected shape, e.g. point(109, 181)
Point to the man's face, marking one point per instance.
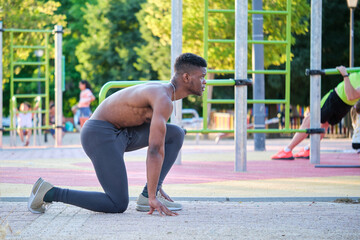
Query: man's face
point(197, 80)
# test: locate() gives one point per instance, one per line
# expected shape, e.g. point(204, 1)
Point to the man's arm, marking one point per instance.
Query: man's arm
point(351, 92)
point(155, 155)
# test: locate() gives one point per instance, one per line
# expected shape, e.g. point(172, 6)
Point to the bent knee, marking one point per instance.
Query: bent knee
point(176, 132)
point(120, 208)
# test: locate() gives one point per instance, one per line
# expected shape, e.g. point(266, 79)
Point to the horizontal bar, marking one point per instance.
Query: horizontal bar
point(29, 95)
point(221, 40)
point(121, 84)
point(249, 41)
point(221, 101)
point(248, 131)
point(267, 12)
point(29, 63)
point(249, 71)
point(33, 111)
point(27, 30)
point(29, 47)
point(333, 71)
point(29, 79)
point(266, 101)
point(249, 101)
point(249, 11)
point(221, 10)
point(267, 71)
point(32, 128)
point(266, 42)
point(220, 82)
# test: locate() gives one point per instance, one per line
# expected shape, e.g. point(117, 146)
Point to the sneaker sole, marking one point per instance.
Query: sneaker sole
point(144, 208)
point(303, 157)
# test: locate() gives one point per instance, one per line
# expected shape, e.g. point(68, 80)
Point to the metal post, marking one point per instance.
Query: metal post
point(241, 33)
point(58, 85)
point(351, 57)
point(1, 86)
point(315, 80)
point(259, 85)
point(176, 49)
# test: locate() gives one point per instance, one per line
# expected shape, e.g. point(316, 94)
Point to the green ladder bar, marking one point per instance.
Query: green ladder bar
point(27, 80)
point(286, 72)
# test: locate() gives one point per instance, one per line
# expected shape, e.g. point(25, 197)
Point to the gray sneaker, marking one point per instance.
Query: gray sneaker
point(142, 204)
point(36, 202)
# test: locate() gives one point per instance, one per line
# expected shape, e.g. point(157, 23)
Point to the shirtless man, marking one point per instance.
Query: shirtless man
point(128, 120)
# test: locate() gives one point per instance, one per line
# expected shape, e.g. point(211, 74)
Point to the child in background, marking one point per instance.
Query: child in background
point(82, 109)
point(355, 116)
point(24, 120)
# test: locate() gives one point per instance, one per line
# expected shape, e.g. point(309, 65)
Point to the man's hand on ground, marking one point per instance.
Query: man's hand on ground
point(157, 205)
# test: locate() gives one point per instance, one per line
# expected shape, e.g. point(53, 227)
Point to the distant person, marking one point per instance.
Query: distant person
point(334, 106)
point(24, 120)
point(130, 119)
point(82, 108)
point(355, 116)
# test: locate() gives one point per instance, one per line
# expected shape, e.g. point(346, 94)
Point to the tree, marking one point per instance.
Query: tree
point(25, 14)
point(108, 50)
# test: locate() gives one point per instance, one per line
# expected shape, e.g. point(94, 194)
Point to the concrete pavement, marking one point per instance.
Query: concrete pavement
point(272, 200)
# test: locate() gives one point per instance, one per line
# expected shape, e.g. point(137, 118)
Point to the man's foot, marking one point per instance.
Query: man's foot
point(36, 202)
point(282, 155)
point(142, 203)
point(303, 154)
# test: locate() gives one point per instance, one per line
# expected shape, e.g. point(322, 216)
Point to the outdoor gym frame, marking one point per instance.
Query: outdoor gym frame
point(58, 31)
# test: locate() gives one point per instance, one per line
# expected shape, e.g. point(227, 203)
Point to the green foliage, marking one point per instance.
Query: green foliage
point(108, 49)
point(25, 14)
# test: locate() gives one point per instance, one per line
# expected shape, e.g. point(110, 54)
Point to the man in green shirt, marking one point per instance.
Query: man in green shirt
point(334, 106)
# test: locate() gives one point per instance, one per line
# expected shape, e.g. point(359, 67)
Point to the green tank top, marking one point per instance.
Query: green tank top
point(355, 82)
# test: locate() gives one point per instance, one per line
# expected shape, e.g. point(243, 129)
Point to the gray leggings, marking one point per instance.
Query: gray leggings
point(105, 145)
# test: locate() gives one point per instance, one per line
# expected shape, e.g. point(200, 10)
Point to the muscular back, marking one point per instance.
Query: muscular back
point(134, 105)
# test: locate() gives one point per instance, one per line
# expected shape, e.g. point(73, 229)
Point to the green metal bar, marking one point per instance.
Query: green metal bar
point(33, 111)
point(221, 82)
point(218, 10)
point(221, 40)
point(28, 95)
point(266, 42)
point(249, 101)
point(334, 71)
point(221, 101)
point(249, 131)
point(47, 77)
point(249, 41)
point(120, 84)
point(11, 79)
point(267, 71)
point(29, 79)
point(267, 12)
point(27, 30)
point(29, 47)
point(287, 65)
point(42, 127)
point(29, 63)
point(266, 101)
point(249, 71)
point(206, 57)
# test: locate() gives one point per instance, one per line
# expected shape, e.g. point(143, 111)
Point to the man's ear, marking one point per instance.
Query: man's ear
point(186, 77)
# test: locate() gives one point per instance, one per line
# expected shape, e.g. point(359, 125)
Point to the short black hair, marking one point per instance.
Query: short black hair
point(186, 61)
